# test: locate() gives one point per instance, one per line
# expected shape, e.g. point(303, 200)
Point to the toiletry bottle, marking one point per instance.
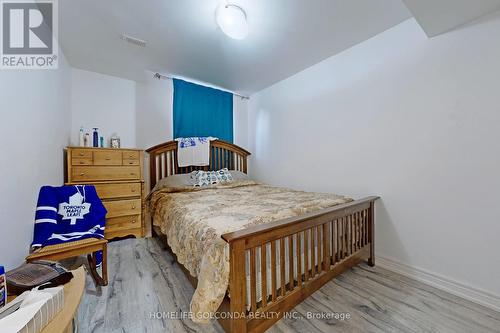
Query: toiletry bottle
point(81, 138)
point(87, 140)
point(96, 138)
point(102, 142)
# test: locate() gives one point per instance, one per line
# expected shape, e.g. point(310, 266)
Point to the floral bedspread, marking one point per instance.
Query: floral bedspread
point(194, 219)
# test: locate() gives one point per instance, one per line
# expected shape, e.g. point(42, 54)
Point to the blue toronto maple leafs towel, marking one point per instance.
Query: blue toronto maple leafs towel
point(68, 213)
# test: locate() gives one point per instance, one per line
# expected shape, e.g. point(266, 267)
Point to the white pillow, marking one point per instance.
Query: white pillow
point(238, 175)
point(175, 181)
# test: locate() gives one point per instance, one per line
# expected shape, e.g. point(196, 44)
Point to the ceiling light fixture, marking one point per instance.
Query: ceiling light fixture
point(232, 20)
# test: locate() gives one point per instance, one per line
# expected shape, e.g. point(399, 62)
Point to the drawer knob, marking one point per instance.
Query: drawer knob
point(133, 189)
point(132, 173)
point(82, 174)
point(133, 206)
point(134, 221)
point(130, 162)
point(108, 158)
point(82, 162)
point(81, 154)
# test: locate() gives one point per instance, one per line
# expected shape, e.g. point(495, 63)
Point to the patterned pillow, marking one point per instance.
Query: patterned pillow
point(224, 175)
point(193, 175)
point(205, 178)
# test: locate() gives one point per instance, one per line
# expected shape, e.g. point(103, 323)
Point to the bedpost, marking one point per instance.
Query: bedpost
point(371, 233)
point(152, 170)
point(237, 286)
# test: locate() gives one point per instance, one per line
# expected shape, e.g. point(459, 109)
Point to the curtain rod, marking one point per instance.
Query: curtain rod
point(161, 76)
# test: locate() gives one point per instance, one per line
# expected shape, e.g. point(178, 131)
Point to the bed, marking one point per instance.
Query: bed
point(253, 251)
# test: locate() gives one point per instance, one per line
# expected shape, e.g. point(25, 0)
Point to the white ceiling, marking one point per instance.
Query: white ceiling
point(285, 37)
point(439, 16)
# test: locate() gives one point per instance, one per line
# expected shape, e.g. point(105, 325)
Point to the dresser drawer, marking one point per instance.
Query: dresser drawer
point(119, 190)
point(81, 157)
point(122, 207)
point(81, 153)
point(107, 157)
point(81, 161)
point(123, 223)
point(131, 155)
point(105, 173)
point(131, 162)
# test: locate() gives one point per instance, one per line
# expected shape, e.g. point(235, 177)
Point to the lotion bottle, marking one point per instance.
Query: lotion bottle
point(81, 138)
point(87, 140)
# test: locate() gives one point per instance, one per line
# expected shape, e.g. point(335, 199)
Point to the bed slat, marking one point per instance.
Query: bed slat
point(313, 252)
point(282, 266)
point(299, 259)
point(290, 263)
point(326, 246)
point(358, 230)
point(273, 271)
point(263, 273)
point(365, 233)
point(318, 248)
point(253, 282)
point(334, 243)
point(351, 243)
point(306, 255)
point(355, 231)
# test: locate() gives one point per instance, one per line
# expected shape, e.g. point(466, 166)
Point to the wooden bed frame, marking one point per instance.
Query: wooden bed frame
point(342, 237)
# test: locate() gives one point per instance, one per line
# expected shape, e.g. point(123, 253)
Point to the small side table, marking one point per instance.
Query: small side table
point(87, 246)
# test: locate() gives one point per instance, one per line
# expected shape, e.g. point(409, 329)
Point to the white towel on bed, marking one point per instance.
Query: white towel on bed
point(193, 151)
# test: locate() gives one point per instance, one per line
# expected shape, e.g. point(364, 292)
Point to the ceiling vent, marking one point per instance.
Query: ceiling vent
point(134, 41)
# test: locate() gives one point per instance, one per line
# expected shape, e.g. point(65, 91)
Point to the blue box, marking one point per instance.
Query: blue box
point(3, 287)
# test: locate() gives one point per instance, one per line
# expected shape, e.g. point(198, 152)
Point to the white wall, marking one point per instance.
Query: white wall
point(240, 121)
point(153, 111)
point(34, 106)
point(103, 101)
point(412, 119)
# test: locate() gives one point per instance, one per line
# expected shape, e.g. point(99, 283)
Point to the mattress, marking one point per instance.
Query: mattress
point(193, 219)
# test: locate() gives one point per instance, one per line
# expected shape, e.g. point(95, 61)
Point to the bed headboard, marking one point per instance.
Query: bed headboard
point(163, 159)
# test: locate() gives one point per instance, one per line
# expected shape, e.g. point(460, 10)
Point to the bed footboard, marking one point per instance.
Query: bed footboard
point(300, 254)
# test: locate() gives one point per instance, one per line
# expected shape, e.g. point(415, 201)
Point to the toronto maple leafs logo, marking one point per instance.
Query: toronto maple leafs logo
point(75, 209)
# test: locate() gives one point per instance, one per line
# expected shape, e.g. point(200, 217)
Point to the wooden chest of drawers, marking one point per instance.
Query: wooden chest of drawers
point(117, 175)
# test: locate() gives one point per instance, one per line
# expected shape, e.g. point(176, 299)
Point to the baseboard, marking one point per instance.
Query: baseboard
point(470, 293)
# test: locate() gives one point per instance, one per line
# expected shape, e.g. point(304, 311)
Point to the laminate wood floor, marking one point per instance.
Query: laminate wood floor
point(145, 283)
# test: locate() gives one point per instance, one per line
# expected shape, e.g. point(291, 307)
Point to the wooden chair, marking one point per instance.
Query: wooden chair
point(87, 246)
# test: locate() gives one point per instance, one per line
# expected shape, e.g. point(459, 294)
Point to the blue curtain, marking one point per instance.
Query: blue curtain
point(202, 111)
